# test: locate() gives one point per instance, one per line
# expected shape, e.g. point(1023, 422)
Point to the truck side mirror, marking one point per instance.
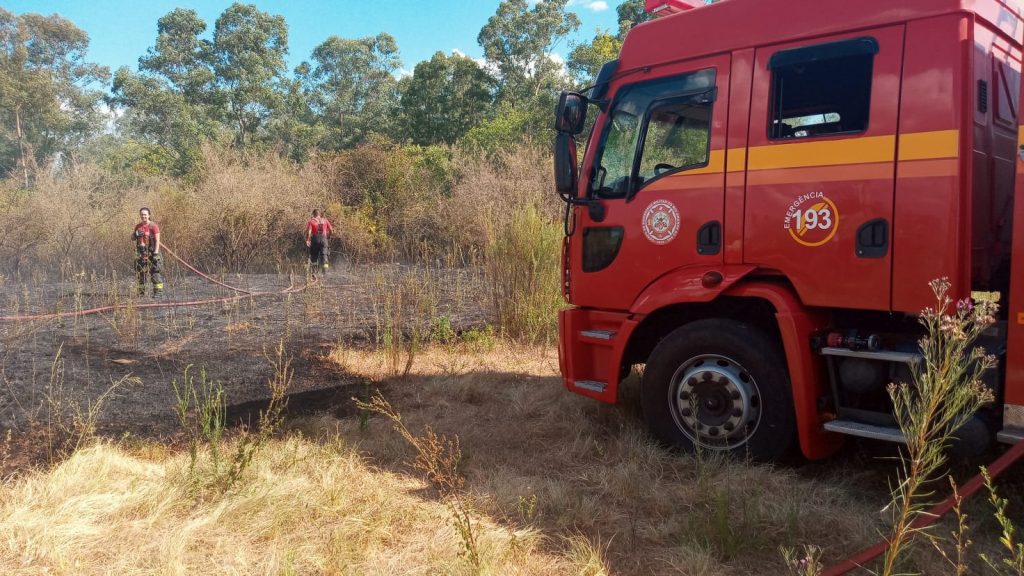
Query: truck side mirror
point(571, 114)
point(565, 164)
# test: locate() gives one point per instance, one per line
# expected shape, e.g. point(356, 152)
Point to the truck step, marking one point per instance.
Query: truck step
point(603, 335)
point(862, 430)
point(883, 356)
point(591, 385)
point(1010, 435)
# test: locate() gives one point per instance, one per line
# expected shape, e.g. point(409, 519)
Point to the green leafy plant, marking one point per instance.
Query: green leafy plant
point(961, 543)
point(202, 413)
point(947, 390)
point(522, 271)
point(1013, 562)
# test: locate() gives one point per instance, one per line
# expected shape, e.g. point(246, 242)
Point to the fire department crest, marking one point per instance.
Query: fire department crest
point(661, 222)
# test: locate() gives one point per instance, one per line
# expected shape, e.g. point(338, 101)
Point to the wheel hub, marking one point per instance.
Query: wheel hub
point(714, 402)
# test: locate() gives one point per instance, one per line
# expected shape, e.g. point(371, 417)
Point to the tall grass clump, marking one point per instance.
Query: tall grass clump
point(523, 271)
point(511, 209)
point(405, 310)
point(947, 390)
point(71, 422)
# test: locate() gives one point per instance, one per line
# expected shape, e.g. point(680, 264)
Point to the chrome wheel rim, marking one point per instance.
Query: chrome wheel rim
point(715, 402)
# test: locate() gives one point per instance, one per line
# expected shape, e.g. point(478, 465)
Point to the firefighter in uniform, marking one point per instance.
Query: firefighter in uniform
point(318, 236)
point(146, 239)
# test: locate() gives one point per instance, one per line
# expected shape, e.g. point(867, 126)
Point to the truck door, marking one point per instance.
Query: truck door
point(657, 179)
point(820, 180)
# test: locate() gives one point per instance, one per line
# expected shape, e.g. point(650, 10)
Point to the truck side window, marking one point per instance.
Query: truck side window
point(676, 129)
point(677, 137)
point(822, 89)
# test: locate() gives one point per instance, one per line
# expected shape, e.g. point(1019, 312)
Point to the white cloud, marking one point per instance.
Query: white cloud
point(480, 61)
point(593, 5)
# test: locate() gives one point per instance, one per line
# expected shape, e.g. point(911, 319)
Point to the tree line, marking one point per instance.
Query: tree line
point(230, 86)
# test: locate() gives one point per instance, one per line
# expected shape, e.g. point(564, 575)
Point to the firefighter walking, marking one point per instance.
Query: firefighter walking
point(146, 238)
point(318, 236)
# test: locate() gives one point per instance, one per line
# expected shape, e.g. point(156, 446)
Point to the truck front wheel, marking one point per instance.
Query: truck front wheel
point(719, 385)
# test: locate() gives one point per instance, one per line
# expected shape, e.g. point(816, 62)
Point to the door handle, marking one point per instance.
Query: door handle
point(709, 238)
point(873, 239)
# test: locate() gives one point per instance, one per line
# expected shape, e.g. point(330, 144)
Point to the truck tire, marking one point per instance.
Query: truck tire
point(721, 385)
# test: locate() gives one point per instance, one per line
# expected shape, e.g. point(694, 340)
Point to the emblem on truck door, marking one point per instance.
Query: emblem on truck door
point(661, 222)
point(812, 219)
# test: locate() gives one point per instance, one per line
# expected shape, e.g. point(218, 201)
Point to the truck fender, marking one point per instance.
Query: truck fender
point(690, 284)
point(807, 376)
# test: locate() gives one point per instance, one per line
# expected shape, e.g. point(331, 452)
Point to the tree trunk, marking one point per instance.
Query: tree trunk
point(21, 143)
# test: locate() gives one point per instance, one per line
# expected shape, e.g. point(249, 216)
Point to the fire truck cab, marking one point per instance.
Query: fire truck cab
point(768, 188)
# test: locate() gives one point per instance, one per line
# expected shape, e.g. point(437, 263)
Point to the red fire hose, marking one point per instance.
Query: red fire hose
point(868, 554)
point(190, 267)
point(242, 293)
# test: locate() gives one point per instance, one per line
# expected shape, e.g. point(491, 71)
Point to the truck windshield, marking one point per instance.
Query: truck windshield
point(676, 132)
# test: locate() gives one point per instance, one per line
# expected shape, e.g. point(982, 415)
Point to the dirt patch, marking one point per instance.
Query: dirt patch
point(70, 362)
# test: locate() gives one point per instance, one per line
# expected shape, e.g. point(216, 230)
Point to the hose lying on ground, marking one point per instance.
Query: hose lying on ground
point(933, 514)
point(242, 293)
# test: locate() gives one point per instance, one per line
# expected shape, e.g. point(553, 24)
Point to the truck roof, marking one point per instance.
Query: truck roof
point(736, 24)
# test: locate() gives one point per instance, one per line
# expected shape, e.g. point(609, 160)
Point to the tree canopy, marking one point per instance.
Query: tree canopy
point(49, 96)
point(229, 85)
point(444, 98)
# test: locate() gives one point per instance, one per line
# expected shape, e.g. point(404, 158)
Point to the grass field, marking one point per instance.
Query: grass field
point(553, 484)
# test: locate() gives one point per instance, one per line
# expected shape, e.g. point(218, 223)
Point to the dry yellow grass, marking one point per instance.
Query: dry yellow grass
point(556, 484)
point(309, 508)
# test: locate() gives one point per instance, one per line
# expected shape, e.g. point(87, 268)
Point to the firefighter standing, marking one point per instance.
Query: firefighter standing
point(318, 236)
point(146, 239)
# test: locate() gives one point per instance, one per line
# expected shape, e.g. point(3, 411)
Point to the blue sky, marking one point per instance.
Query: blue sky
point(121, 31)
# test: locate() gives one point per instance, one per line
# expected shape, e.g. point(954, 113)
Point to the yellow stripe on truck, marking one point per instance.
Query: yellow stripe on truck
point(828, 153)
point(929, 145)
point(932, 145)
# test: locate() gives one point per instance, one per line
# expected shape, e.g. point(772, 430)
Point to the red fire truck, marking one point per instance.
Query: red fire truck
point(766, 192)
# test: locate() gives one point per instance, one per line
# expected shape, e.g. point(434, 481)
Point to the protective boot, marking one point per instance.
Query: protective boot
point(141, 268)
point(156, 277)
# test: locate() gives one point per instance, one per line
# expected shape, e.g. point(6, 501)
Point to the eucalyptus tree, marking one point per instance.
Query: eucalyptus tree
point(586, 59)
point(351, 87)
point(248, 60)
point(191, 88)
point(519, 42)
point(170, 104)
point(444, 98)
point(50, 100)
